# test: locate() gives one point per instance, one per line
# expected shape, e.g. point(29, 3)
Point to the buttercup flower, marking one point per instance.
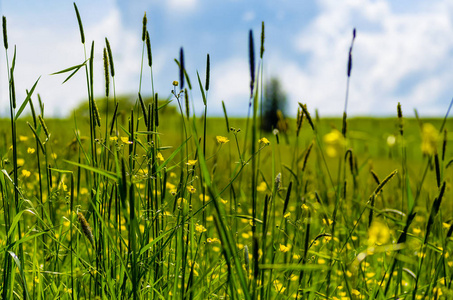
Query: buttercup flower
point(222, 139)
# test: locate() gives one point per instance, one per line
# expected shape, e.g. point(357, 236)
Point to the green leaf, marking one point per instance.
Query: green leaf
point(171, 156)
point(73, 68)
point(24, 104)
point(146, 247)
point(95, 170)
point(201, 89)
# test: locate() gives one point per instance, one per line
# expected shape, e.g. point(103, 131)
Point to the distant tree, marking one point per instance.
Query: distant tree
point(125, 104)
point(274, 106)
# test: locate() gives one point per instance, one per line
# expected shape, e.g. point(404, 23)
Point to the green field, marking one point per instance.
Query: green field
point(147, 202)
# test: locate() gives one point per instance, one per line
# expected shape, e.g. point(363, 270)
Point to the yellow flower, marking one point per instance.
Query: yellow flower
point(222, 139)
point(284, 248)
point(23, 138)
point(26, 173)
point(125, 140)
point(31, 150)
point(206, 197)
point(54, 155)
point(287, 215)
point(213, 240)
point(191, 189)
point(20, 161)
point(223, 201)
point(160, 156)
point(191, 162)
point(113, 138)
point(200, 228)
point(378, 233)
point(335, 142)
point(430, 136)
point(175, 83)
point(262, 187)
point(279, 286)
point(391, 140)
point(264, 141)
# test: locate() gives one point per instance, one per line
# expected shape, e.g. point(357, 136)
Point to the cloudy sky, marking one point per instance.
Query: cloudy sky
point(403, 50)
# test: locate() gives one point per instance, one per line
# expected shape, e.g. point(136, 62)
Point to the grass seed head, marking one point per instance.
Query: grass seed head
point(144, 31)
point(86, 229)
point(109, 51)
point(5, 36)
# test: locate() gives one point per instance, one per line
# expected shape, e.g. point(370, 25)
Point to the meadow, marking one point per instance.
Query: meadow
point(146, 202)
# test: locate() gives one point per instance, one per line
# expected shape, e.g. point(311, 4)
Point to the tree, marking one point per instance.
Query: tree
point(274, 106)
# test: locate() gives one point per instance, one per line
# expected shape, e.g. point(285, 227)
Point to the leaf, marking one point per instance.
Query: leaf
point(171, 156)
point(24, 104)
point(201, 89)
point(145, 248)
point(95, 170)
point(73, 68)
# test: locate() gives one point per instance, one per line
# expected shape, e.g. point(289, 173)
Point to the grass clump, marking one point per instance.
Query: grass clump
point(131, 205)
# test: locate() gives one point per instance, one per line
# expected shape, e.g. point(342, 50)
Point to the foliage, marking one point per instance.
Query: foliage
point(186, 207)
point(274, 106)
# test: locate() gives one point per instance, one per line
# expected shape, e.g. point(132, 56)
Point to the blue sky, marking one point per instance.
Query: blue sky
point(403, 51)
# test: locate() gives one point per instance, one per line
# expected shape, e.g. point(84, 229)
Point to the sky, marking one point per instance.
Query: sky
point(403, 51)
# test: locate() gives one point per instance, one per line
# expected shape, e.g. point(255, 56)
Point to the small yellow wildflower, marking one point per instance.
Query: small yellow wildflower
point(391, 140)
point(200, 228)
point(223, 201)
point(264, 141)
point(191, 162)
point(23, 138)
point(334, 143)
point(284, 248)
point(355, 293)
point(262, 187)
point(191, 189)
point(279, 286)
point(26, 173)
point(125, 140)
point(20, 161)
point(175, 83)
point(222, 139)
point(54, 155)
point(417, 230)
point(287, 215)
point(113, 138)
point(160, 156)
point(206, 197)
point(213, 240)
point(378, 233)
point(31, 150)
point(430, 136)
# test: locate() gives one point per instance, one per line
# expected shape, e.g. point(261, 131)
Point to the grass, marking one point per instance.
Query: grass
point(157, 205)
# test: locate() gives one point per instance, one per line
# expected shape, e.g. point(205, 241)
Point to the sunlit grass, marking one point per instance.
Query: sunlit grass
point(136, 202)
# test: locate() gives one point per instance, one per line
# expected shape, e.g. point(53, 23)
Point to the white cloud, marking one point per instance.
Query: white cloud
point(177, 6)
point(248, 16)
point(397, 57)
point(230, 82)
point(42, 51)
